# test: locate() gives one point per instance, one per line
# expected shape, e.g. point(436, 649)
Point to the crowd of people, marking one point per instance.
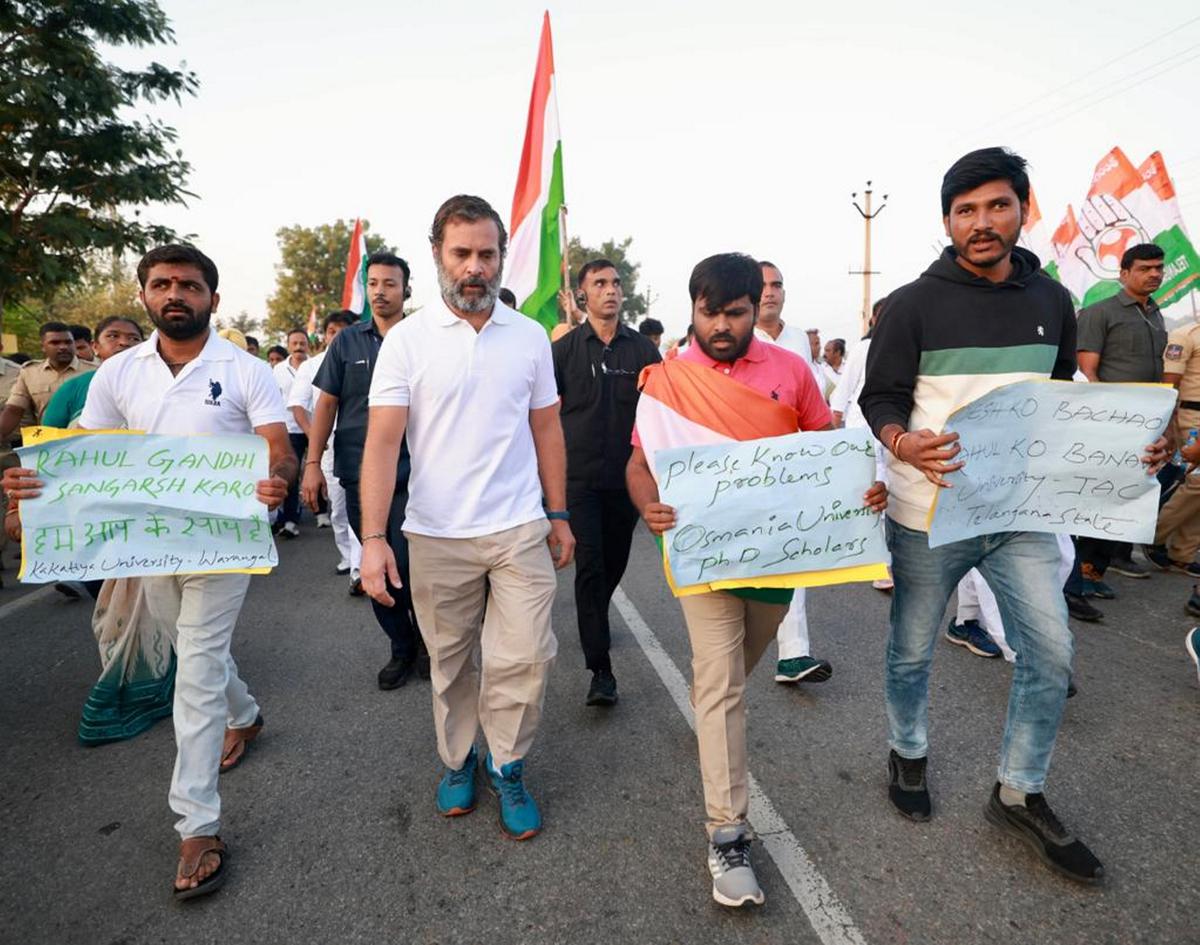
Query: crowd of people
point(461, 457)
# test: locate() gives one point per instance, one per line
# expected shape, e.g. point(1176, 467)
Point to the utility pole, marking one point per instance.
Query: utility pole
point(866, 272)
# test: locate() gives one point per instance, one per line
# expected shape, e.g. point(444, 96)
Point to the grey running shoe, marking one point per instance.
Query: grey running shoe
point(734, 882)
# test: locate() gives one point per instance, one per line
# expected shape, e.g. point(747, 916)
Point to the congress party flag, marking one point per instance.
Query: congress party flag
point(1035, 237)
point(535, 252)
point(1126, 205)
point(354, 289)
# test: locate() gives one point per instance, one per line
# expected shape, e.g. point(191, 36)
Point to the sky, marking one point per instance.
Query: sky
point(694, 128)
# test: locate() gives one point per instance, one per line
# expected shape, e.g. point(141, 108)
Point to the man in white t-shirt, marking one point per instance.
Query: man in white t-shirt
point(184, 380)
point(285, 375)
point(472, 384)
point(301, 403)
point(796, 662)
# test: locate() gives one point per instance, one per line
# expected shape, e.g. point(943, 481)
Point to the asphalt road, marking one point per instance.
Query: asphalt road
point(334, 837)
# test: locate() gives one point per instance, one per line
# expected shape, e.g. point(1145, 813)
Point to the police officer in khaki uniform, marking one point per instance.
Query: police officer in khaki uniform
point(38, 380)
point(1177, 537)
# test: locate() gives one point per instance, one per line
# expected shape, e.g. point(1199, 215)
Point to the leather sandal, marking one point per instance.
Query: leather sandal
point(191, 855)
point(236, 740)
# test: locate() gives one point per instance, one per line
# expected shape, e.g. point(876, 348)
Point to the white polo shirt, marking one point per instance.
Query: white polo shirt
point(285, 376)
point(304, 393)
point(796, 341)
point(223, 390)
point(474, 468)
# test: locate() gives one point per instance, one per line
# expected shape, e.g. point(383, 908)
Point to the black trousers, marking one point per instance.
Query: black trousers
point(291, 505)
point(602, 521)
point(399, 621)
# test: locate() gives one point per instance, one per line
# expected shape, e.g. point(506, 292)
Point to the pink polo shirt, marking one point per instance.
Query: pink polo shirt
point(774, 372)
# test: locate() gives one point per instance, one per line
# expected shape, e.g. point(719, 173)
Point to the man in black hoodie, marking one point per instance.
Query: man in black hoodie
point(981, 316)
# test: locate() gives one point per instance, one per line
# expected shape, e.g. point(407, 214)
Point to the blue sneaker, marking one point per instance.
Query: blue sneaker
point(1192, 642)
point(971, 635)
point(519, 816)
point(456, 790)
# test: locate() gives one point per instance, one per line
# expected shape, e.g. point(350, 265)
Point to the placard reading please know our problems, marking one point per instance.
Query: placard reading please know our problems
point(1054, 456)
point(775, 506)
point(133, 505)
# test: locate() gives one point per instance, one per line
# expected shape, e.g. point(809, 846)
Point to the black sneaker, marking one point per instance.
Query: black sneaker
point(603, 690)
point(396, 673)
point(1079, 608)
point(1128, 567)
point(907, 789)
point(1036, 824)
point(1157, 556)
point(1193, 604)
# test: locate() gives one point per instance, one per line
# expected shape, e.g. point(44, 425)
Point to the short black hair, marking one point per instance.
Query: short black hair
point(385, 257)
point(296, 330)
point(651, 326)
point(278, 349)
point(723, 278)
point(592, 265)
point(105, 322)
point(506, 296)
point(839, 345)
point(339, 316)
point(80, 332)
point(179, 254)
point(251, 340)
point(49, 327)
point(980, 167)
point(471, 209)
point(1140, 251)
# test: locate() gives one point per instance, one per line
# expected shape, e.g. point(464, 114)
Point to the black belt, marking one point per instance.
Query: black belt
point(1189, 405)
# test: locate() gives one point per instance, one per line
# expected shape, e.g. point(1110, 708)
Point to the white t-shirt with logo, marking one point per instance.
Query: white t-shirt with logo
point(222, 390)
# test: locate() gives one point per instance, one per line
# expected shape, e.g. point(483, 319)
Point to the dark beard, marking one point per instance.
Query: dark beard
point(196, 325)
point(727, 357)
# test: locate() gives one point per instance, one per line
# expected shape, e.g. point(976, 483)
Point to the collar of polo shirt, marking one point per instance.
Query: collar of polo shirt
point(501, 315)
point(215, 349)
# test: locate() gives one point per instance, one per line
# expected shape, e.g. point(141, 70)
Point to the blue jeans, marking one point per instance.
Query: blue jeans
point(1022, 569)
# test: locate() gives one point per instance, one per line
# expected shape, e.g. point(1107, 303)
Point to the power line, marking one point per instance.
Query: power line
point(1038, 122)
point(1090, 73)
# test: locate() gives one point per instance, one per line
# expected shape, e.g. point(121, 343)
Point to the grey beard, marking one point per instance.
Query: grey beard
point(456, 300)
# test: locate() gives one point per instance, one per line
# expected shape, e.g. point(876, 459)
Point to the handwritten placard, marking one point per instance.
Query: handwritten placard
point(775, 506)
point(132, 505)
point(1054, 456)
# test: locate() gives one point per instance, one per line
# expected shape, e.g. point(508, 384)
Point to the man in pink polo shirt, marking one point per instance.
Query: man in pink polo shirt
point(729, 630)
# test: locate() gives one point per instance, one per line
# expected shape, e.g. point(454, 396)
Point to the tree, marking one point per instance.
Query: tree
point(72, 159)
point(636, 303)
point(311, 271)
point(106, 286)
point(243, 321)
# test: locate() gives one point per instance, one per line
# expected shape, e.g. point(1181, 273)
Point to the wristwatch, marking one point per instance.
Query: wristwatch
point(560, 516)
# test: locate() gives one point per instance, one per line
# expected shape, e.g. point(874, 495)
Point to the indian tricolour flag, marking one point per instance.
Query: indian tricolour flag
point(535, 251)
point(1036, 237)
point(1126, 205)
point(354, 289)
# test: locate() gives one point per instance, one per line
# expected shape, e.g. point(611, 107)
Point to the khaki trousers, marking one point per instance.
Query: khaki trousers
point(450, 579)
point(728, 635)
point(1179, 520)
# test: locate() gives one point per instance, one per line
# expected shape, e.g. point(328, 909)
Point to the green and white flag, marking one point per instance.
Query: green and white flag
point(1126, 205)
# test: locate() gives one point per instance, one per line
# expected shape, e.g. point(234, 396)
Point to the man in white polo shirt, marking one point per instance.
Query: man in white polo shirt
point(285, 376)
point(184, 379)
point(472, 383)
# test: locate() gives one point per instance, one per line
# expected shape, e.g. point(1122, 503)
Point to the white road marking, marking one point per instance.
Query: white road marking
point(828, 916)
point(26, 600)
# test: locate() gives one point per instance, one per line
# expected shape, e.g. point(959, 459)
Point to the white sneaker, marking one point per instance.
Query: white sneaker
point(324, 521)
point(291, 529)
point(734, 882)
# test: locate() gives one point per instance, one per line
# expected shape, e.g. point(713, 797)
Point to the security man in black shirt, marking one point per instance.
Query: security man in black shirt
point(343, 382)
point(597, 367)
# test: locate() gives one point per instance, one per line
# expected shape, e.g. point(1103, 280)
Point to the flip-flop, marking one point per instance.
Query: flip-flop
point(191, 855)
point(236, 740)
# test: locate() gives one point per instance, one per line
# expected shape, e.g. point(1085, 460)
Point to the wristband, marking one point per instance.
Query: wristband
point(894, 447)
point(559, 516)
point(379, 535)
point(312, 462)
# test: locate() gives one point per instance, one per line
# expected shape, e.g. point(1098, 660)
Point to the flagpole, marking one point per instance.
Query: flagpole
point(565, 245)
